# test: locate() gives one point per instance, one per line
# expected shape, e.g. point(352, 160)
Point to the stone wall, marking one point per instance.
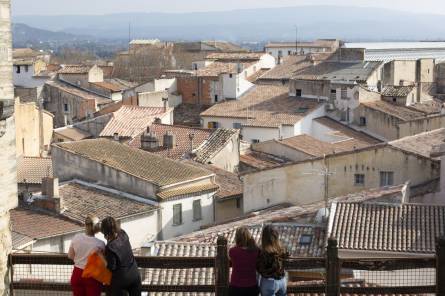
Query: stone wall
point(8, 177)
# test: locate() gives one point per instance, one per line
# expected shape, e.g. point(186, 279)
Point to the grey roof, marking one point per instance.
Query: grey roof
point(397, 91)
point(214, 144)
point(402, 228)
point(339, 71)
point(421, 143)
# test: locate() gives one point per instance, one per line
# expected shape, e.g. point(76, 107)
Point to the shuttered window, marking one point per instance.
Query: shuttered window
point(177, 214)
point(197, 210)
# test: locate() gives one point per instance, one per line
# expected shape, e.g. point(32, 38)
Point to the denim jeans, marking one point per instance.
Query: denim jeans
point(272, 287)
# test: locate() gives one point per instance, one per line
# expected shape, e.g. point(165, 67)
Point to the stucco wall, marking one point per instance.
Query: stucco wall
point(378, 122)
point(28, 132)
point(67, 166)
point(228, 158)
point(302, 184)
point(27, 78)
point(227, 210)
point(188, 224)
point(419, 126)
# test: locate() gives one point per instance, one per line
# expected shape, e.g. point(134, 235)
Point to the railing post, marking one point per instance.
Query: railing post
point(440, 266)
point(222, 268)
point(332, 269)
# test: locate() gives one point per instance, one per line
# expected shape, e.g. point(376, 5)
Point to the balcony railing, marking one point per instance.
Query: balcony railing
point(46, 274)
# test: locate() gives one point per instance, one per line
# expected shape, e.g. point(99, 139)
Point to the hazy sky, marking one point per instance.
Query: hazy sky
point(21, 7)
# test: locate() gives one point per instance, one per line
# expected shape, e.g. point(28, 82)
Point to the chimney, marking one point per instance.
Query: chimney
point(116, 137)
point(157, 120)
point(50, 199)
point(191, 137)
point(169, 140)
point(165, 101)
point(149, 140)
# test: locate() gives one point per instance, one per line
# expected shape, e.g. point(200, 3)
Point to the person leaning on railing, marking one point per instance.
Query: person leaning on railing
point(270, 264)
point(120, 260)
point(82, 246)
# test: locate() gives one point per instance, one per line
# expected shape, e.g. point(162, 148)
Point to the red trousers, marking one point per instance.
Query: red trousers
point(84, 286)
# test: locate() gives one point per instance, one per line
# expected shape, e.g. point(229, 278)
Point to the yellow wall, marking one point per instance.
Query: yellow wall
point(301, 183)
point(28, 131)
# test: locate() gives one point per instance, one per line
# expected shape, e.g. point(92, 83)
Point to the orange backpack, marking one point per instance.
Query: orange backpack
point(96, 268)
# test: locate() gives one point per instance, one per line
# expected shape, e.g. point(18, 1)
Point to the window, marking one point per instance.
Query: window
point(305, 239)
point(237, 125)
point(216, 98)
point(212, 124)
point(359, 179)
point(363, 121)
point(386, 179)
point(197, 210)
point(298, 92)
point(66, 108)
point(280, 53)
point(255, 141)
point(18, 70)
point(394, 99)
point(230, 75)
point(26, 68)
point(289, 52)
point(238, 203)
point(177, 214)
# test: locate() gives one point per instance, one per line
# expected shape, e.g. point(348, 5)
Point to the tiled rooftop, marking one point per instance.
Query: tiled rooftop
point(217, 68)
point(407, 228)
point(147, 166)
point(20, 53)
point(32, 170)
point(422, 143)
point(259, 160)
point(186, 191)
point(130, 121)
point(401, 112)
point(320, 43)
point(214, 144)
point(309, 145)
point(182, 139)
point(23, 221)
point(230, 185)
point(72, 133)
point(236, 57)
point(78, 92)
point(265, 106)
point(74, 69)
point(397, 91)
point(339, 71)
point(81, 200)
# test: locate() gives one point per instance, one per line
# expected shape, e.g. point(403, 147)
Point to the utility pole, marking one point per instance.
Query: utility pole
point(296, 40)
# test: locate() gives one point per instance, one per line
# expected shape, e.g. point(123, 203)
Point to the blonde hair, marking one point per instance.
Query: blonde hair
point(92, 225)
point(270, 242)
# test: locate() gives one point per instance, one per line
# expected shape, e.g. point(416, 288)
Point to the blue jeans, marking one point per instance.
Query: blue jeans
point(272, 287)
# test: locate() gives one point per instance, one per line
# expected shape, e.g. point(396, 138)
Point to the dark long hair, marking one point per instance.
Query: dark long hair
point(270, 242)
point(110, 228)
point(244, 239)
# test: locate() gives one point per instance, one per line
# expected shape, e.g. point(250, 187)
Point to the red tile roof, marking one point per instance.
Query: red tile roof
point(32, 170)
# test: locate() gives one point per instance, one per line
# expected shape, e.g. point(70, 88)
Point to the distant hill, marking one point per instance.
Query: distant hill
point(347, 23)
point(24, 35)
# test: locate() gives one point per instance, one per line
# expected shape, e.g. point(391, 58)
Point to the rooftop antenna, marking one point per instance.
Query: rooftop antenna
point(325, 172)
point(129, 34)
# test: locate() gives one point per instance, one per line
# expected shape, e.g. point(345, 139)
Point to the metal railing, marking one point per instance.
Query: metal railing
point(41, 274)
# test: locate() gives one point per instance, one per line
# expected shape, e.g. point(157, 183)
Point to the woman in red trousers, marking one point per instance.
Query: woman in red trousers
point(82, 246)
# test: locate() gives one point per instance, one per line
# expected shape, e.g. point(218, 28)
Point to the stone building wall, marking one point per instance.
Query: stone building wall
point(8, 176)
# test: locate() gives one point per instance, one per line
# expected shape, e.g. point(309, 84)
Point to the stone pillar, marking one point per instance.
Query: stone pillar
point(8, 171)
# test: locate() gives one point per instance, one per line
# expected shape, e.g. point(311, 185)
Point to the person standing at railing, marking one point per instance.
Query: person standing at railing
point(270, 264)
point(82, 246)
point(243, 281)
point(120, 260)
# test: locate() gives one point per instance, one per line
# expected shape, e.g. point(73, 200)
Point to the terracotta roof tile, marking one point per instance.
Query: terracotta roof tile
point(421, 143)
point(259, 160)
point(401, 112)
point(73, 133)
point(217, 68)
point(182, 139)
point(148, 166)
point(78, 92)
point(265, 106)
point(407, 228)
point(214, 144)
point(32, 170)
point(74, 69)
point(236, 57)
point(230, 185)
point(130, 121)
point(397, 91)
point(24, 221)
point(80, 200)
point(20, 240)
point(184, 191)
